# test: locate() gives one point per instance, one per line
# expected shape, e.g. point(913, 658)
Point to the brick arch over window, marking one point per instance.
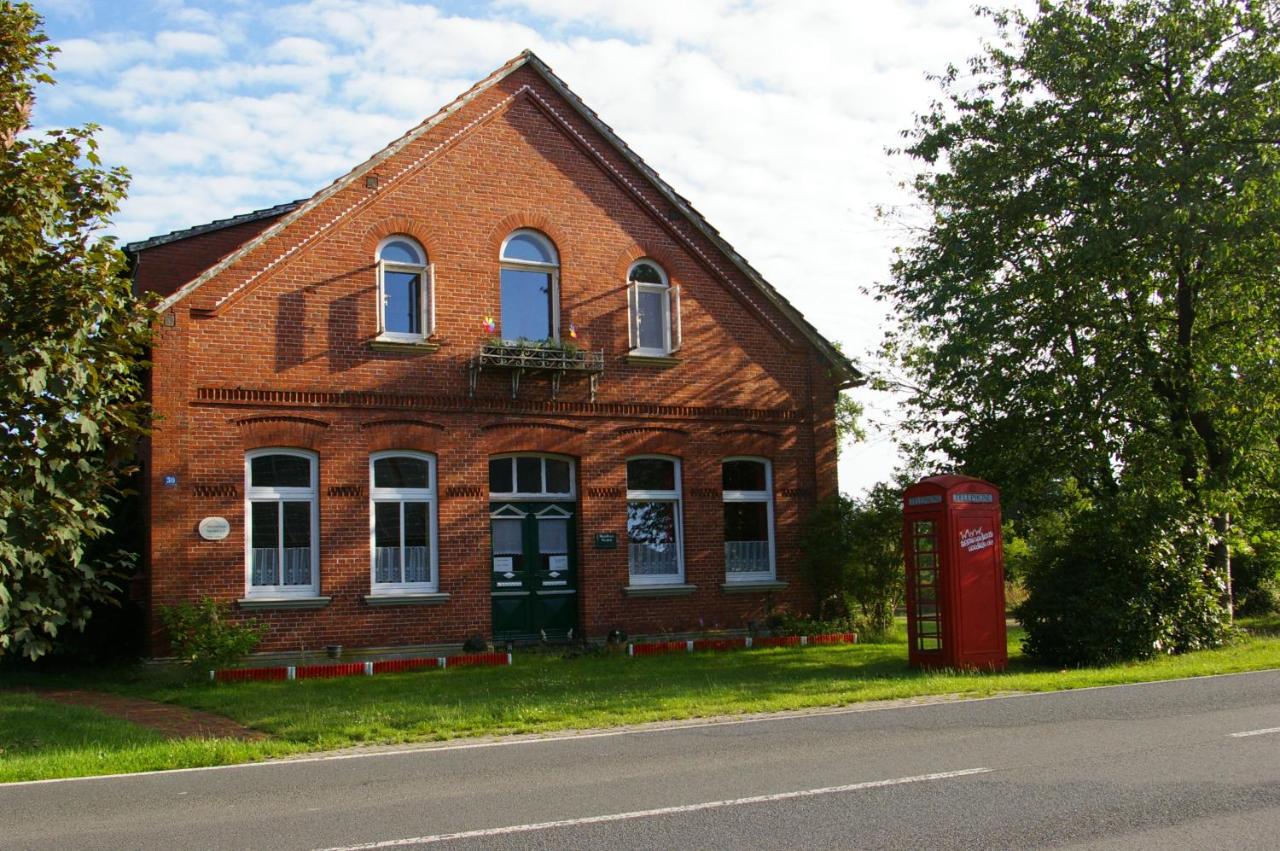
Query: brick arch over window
point(299, 432)
point(652, 440)
point(761, 442)
point(671, 263)
point(505, 437)
point(392, 225)
point(413, 435)
point(532, 221)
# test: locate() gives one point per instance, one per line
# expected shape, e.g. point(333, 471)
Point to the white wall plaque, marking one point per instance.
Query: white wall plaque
point(214, 528)
point(501, 564)
point(558, 563)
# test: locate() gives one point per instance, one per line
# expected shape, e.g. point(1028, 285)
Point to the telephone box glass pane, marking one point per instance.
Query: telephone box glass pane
point(925, 545)
point(926, 561)
point(923, 527)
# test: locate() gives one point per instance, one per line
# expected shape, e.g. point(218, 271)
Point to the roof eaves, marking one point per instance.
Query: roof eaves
point(216, 225)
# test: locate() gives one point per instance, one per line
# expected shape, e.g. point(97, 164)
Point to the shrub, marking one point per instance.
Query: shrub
point(1121, 581)
point(1255, 569)
point(204, 636)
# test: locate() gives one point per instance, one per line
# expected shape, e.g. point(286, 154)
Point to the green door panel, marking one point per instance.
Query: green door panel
point(533, 569)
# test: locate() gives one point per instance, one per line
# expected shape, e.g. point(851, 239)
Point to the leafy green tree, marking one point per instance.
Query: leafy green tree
point(1095, 296)
point(72, 341)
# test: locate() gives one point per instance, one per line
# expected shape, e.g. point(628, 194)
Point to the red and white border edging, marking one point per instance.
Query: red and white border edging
point(694, 645)
point(356, 669)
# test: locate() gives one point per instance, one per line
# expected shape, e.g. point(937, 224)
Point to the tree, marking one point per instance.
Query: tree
point(72, 341)
point(1095, 297)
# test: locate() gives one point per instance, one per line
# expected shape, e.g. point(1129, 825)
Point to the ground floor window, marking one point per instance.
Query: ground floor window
point(403, 521)
point(281, 526)
point(748, 519)
point(653, 521)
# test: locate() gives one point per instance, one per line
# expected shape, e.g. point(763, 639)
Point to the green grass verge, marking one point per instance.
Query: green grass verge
point(541, 692)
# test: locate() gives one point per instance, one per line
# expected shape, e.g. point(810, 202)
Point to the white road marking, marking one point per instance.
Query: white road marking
point(661, 811)
point(1255, 732)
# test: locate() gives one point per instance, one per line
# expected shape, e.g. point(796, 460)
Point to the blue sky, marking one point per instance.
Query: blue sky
point(773, 116)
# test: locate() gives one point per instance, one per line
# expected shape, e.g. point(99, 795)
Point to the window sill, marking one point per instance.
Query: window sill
point(426, 598)
point(659, 361)
point(420, 347)
point(262, 603)
point(752, 586)
point(659, 590)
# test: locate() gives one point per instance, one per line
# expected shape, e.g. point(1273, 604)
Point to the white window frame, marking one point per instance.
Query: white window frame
point(531, 266)
point(400, 496)
point(543, 495)
point(426, 274)
point(672, 496)
point(765, 496)
point(281, 495)
point(670, 311)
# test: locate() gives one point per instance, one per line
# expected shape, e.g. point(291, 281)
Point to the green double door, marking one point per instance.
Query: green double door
point(534, 570)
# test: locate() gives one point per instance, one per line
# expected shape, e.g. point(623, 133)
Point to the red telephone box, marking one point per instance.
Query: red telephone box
point(955, 574)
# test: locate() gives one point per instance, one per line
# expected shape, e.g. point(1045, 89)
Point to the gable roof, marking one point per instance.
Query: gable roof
point(848, 374)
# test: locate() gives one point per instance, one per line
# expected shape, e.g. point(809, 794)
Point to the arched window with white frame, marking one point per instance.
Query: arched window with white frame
point(747, 486)
point(402, 522)
point(406, 291)
point(281, 523)
point(530, 284)
point(653, 310)
point(654, 535)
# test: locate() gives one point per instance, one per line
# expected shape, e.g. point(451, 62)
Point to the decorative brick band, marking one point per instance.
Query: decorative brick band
point(211, 490)
point(359, 399)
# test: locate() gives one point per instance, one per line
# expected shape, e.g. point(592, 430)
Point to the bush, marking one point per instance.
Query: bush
point(1122, 581)
point(1255, 571)
point(204, 636)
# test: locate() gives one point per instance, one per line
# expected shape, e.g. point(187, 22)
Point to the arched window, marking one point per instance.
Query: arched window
point(403, 522)
point(530, 279)
point(654, 310)
point(654, 535)
point(281, 524)
point(406, 291)
point(747, 485)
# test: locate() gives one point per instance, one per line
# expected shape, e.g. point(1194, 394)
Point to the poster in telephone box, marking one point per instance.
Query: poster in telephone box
point(955, 574)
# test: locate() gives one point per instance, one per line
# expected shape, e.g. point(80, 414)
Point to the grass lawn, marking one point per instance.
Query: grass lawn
point(541, 692)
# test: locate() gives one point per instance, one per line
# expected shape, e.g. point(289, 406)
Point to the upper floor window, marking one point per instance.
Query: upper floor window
point(406, 291)
point(654, 310)
point(403, 497)
point(747, 486)
point(654, 552)
point(530, 279)
point(512, 476)
point(281, 523)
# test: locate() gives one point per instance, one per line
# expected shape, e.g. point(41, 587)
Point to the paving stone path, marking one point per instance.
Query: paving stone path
point(174, 722)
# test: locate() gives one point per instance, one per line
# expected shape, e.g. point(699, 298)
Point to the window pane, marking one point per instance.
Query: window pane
point(280, 471)
point(526, 246)
point(265, 543)
point(651, 535)
point(746, 521)
point(528, 475)
point(553, 537)
point(649, 320)
point(297, 544)
point(506, 537)
point(386, 540)
point(402, 308)
point(500, 476)
point(651, 474)
point(526, 305)
point(557, 476)
point(744, 476)
point(646, 273)
point(401, 471)
point(417, 542)
point(401, 251)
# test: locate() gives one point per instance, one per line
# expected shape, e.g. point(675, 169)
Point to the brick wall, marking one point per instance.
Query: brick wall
point(275, 351)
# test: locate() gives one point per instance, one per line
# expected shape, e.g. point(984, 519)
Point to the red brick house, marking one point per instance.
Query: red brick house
point(498, 379)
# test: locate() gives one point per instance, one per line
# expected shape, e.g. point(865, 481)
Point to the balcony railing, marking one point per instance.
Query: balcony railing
point(537, 358)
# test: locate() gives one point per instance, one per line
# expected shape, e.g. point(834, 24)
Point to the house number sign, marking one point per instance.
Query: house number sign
point(214, 528)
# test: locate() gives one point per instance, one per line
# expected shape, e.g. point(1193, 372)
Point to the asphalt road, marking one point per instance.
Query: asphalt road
point(1148, 766)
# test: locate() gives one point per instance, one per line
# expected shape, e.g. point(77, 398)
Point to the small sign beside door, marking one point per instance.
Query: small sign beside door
point(606, 540)
point(214, 528)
